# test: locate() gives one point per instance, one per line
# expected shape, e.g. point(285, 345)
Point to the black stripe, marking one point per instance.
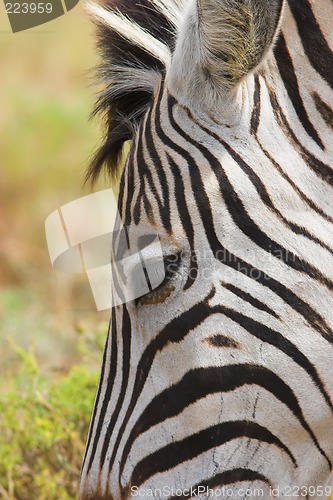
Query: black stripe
point(109, 386)
point(93, 417)
point(145, 175)
point(164, 206)
point(147, 205)
point(248, 298)
point(184, 216)
point(255, 118)
point(313, 40)
point(302, 195)
point(125, 369)
point(179, 452)
point(325, 172)
point(129, 174)
point(289, 78)
point(324, 109)
point(229, 477)
point(147, 185)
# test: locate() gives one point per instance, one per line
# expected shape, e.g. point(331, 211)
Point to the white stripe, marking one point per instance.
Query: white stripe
point(130, 30)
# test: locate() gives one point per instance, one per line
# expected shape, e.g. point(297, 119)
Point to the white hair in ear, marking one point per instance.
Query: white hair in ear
point(220, 43)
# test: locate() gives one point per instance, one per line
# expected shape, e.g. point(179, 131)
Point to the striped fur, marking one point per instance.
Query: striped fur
point(223, 376)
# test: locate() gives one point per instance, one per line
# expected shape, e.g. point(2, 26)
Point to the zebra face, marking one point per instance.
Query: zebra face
point(217, 372)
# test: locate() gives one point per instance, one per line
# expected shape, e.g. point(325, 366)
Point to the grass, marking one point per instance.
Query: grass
point(43, 425)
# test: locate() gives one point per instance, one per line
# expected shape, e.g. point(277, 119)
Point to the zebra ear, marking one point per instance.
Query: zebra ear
point(221, 42)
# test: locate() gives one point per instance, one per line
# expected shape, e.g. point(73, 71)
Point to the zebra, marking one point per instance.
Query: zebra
point(219, 381)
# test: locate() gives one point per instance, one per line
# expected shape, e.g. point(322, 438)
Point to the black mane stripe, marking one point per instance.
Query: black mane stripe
point(129, 71)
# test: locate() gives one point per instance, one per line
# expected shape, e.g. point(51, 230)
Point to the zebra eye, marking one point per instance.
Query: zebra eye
point(163, 289)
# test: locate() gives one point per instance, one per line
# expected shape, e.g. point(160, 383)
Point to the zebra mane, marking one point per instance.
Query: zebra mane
point(135, 39)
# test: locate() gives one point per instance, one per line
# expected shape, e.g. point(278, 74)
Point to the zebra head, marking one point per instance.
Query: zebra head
point(218, 380)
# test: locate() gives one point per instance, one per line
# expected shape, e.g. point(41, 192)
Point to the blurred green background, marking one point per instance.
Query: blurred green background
point(51, 335)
